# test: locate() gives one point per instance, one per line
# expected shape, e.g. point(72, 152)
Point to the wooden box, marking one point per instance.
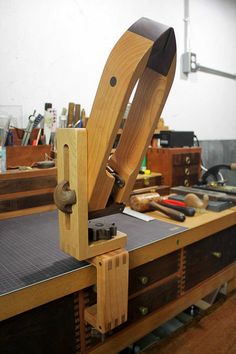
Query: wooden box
point(146, 183)
point(178, 166)
point(143, 181)
point(26, 155)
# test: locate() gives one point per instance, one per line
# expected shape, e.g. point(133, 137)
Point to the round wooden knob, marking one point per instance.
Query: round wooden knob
point(64, 197)
point(217, 254)
point(143, 310)
point(143, 280)
point(186, 183)
point(187, 160)
point(186, 171)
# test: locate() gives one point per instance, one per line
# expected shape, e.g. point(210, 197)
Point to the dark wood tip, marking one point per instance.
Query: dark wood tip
point(164, 43)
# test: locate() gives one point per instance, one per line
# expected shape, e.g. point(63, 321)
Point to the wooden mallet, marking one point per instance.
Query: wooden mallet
point(149, 202)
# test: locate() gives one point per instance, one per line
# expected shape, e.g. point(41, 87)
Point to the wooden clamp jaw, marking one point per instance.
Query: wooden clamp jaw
point(112, 291)
point(145, 55)
point(73, 219)
point(72, 200)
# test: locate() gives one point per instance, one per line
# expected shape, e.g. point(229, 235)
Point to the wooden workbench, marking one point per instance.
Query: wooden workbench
point(170, 269)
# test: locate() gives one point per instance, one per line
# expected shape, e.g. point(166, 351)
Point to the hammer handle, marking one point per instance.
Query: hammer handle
point(173, 214)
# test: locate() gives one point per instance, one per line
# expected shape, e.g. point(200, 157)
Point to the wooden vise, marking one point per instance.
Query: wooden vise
point(87, 172)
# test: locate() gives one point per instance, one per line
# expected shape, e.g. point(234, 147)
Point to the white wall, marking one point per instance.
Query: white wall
point(55, 50)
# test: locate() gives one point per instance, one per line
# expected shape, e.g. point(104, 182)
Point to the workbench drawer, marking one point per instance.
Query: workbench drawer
point(142, 181)
point(48, 329)
point(186, 159)
point(209, 256)
point(149, 273)
point(185, 180)
point(151, 300)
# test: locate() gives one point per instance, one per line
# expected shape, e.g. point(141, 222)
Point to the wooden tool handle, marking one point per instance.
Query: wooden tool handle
point(233, 166)
point(70, 120)
point(173, 214)
point(186, 210)
point(77, 114)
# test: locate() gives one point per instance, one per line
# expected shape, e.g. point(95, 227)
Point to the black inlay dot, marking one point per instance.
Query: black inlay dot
point(113, 81)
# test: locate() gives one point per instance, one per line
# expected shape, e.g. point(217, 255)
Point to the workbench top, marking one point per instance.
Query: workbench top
point(30, 253)
point(35, 271)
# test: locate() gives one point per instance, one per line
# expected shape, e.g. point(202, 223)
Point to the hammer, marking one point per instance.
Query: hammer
point(148, 202)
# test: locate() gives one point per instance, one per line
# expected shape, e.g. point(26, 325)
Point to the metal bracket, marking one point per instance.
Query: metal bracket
point(190, 65)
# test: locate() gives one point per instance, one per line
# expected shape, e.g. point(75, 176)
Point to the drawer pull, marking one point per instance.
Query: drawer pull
point(186, 183)
point(217, 254)
point(143, 310)
point(187, 160)
point(186, 171)
point(143, 280)
point(146, 181)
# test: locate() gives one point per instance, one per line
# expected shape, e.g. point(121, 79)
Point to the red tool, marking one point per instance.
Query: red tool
point(174, 202)
point(186, 210)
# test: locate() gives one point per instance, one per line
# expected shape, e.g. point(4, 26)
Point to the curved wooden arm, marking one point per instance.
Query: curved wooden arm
point(146, 52)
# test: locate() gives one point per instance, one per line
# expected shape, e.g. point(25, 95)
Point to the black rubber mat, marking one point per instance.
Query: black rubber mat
point(29, 246)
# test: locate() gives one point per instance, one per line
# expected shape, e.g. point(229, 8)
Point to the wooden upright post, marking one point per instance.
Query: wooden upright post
point(72, 168)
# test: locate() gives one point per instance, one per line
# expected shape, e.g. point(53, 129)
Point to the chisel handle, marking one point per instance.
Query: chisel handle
point(233, 166)
point(70, 119)
point(173, 214)
point(186, 210)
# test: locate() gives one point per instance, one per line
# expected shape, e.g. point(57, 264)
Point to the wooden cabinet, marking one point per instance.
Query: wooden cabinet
point(178, 166)
point(27, 189)
point(209, 256)
point(48, 329)
point(153, 285)
point(147, 274)
point(165, 278)
point(149, 301)
point(26, 155)
point(174, 281)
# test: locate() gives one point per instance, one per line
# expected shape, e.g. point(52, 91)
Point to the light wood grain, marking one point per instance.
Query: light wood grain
point(29, 211)
point(30, 297)
point(231, 285)
point(199, 227)
point(148, 103)
point(72, 167)
point(112, 291)
point(126, 63)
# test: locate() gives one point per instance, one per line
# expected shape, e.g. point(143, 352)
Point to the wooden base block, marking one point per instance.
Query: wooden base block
point(112, 291)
